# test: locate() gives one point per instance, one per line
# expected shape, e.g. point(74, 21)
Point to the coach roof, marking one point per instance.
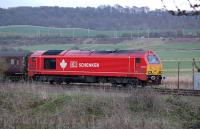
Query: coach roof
point(13, 53)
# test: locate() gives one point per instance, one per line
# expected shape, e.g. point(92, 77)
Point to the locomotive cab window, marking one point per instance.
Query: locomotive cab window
point(50, 63)
point(137, 60)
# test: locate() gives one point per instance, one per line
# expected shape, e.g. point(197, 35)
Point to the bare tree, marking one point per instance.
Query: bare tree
point(194, 6)
point(196, 66)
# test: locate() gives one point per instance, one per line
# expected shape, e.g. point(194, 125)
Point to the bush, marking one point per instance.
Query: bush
point(144, 100)
point(188, 113)
point(101, 36)
point(23, 105)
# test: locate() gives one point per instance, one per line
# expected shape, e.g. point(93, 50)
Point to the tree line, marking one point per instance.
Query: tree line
point(99, 18)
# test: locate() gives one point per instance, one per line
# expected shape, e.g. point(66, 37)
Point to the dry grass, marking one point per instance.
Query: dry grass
point(37, 106)
point(172, 82)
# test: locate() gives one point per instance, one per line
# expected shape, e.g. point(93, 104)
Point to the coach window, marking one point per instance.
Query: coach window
point(50, 63)
point(12, 61)
point(17, 61)
point(137, 60)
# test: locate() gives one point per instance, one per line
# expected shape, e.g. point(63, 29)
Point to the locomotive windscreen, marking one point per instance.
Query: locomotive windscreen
point(153, 59)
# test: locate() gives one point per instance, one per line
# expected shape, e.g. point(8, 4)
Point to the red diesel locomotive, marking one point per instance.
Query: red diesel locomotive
point(124, 67)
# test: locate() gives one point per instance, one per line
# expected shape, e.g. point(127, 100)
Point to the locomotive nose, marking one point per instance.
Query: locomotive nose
point(154, 69)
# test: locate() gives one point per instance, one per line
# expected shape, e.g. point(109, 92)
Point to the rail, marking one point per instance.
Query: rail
point(120, 89)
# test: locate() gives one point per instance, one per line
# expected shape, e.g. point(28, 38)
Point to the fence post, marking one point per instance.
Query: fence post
point(73, 33)
point(148, 31)
point(178, 76)
point(131, 35)
point(88, 32)
point(193, 75)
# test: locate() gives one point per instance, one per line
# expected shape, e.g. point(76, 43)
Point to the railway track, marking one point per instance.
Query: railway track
point(109, 88)
point(183, 92)
point(162, 91)
point(118, 89)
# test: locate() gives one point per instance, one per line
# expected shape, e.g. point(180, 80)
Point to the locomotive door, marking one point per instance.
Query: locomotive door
point(32, 64)
point(138, 66)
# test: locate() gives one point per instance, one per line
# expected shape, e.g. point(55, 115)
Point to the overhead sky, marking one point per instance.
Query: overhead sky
point(152, 4)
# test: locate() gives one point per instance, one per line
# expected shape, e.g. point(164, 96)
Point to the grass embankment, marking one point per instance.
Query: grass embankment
point(34, 106)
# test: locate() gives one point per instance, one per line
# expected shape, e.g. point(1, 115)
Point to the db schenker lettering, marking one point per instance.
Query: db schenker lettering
point(93, 65)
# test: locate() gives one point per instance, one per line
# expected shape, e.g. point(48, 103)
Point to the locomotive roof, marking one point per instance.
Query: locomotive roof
point(89, 53)
point(13, 53)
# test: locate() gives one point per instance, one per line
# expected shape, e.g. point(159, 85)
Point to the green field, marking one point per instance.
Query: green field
point(172, 51)
point(38, 31)
point(128, 44)
point(167, 49)
point(169, 53)
point(178, 45)
point(164, 54)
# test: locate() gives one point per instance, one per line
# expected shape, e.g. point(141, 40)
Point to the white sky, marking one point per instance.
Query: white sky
point(153, 4)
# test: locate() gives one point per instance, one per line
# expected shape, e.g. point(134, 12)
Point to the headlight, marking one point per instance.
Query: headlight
point(150, 72)
point(153, 77)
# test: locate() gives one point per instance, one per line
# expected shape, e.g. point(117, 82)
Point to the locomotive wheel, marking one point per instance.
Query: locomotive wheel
point(143, 83)
point(114, 84)
point(51, 82)
point(59, 82)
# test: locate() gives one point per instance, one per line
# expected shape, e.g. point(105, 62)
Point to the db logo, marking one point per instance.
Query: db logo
point(73, 64)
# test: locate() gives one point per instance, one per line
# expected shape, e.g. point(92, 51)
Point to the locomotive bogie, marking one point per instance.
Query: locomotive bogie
point(123, 81)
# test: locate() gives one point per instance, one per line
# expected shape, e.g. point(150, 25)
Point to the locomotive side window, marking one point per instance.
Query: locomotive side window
point(50, 63)
point(33, 59)
point(137, 60)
